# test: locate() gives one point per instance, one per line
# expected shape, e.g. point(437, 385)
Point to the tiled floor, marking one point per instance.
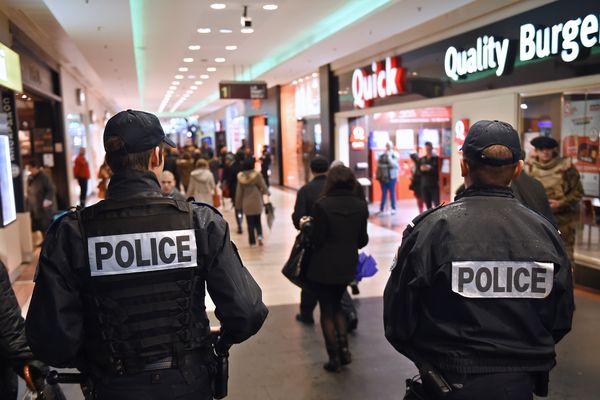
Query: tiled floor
point(283, 361)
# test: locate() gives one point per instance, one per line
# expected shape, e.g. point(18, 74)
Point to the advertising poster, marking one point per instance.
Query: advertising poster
point(579, 134)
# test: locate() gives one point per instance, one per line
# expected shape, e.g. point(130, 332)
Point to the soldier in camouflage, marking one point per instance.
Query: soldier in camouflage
point(562, 184)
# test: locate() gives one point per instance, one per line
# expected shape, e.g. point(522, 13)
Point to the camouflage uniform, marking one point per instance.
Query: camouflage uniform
point(562, 183)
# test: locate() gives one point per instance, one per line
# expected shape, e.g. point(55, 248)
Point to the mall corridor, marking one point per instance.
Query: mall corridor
point(283, 361)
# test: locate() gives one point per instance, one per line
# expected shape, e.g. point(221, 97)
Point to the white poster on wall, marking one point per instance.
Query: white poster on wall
point(405, 139)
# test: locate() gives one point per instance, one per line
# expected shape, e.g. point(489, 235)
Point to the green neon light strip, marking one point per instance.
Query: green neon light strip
point(343, 17)
point(137, 29)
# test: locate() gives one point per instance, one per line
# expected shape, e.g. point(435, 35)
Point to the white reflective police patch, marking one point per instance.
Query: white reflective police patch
point(508, 279)
point(142, 252)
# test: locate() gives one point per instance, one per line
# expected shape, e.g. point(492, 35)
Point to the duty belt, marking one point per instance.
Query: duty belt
point(202, 356)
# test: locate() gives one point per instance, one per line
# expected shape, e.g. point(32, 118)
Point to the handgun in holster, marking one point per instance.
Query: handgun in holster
point(221, 353)
point(433, 381)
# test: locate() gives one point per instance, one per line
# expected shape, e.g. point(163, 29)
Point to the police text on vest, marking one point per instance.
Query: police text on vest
point(142, 252)
point(508, 279)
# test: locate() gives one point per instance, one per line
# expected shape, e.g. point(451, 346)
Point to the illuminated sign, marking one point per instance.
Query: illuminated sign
point(489, 53)
point(385, 79)
point(460, 131)
point(358, 135)
point(10, 69)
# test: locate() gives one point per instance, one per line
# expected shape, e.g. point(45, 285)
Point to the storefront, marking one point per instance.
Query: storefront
point(538, 70)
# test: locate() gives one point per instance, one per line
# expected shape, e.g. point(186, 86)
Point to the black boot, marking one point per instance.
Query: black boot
point(344, 351)
point(334, 364)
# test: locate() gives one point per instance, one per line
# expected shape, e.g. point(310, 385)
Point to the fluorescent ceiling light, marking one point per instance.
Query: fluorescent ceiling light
point(218, 6)
point(188, 60)
point(193, 87)
point(203, 30)
point(247, 30)
point(172, 87)
point(211, 69)
point(194, 46)
point(270, 7)
point(178, 76)
point(175, 83)
point(231, 47)
point(198, 83)
point(225, 30)
point(204, 76)
point(183, 69)
point(219, 60)
point(191, 76)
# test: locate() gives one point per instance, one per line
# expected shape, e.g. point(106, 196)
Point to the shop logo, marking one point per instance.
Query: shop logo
point(488, 53)
point(461, 128)
point(383, 81)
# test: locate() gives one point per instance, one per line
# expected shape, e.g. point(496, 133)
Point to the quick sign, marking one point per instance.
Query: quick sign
point(568, 39)
point(385, 79)
point(506, 279)
point(142, 252)
point(461, 128)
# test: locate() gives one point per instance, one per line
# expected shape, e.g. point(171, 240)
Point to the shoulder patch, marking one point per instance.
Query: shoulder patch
point(200, 204)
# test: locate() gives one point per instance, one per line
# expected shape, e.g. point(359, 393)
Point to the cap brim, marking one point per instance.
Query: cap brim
point(169, 141)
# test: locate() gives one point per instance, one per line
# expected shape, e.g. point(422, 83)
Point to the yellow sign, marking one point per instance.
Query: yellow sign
point(10, 69)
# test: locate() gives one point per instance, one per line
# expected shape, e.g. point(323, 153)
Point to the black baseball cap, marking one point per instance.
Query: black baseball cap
point(484, 134)
point(544, 142)
point(139, 130)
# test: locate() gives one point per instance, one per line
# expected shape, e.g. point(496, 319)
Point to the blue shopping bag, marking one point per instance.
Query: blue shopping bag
point(366, 267)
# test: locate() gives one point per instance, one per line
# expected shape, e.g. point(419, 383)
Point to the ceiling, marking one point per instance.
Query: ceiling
point(136, 47)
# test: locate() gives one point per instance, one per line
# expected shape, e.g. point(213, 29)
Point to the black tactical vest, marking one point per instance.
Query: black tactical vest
point(145, 286)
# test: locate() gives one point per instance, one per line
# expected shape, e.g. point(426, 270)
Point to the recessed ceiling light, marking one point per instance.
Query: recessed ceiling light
point(203, 30)
point(217, 6)
point(314, 74)
point(219, 60)
point(300, 80)
point(189, 91)
point(231, 48)
point(172, 87)
point(225, 30)
point(188, 60)
point(247, 30)
point(193, 87)
point(294, 82)
point(211, 69)
point(183, 69)
point(194, 47)
point(270, 7)
point(191, 76)
point(204, 76)
point(198, 83)
point(178, 76)
point(175, 83)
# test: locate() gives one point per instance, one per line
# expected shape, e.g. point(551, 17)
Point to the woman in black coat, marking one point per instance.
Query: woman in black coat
point(339, 230)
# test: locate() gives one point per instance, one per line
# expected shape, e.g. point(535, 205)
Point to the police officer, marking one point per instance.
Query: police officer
point(481, 289)
point(119, 289)
point(562, 184)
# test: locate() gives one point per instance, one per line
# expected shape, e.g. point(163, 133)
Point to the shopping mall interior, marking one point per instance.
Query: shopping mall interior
point(284, 82)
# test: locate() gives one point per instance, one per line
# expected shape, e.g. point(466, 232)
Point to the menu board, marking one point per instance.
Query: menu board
point(7, 196)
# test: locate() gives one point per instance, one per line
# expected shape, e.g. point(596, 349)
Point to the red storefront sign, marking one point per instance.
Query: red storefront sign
point(385, 79)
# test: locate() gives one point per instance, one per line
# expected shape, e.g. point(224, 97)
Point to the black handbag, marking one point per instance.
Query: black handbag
point(295, 266)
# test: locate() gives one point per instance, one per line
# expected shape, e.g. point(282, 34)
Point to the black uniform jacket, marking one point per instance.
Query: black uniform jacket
point(427, 321)
point(306, 199)
point(56, 322)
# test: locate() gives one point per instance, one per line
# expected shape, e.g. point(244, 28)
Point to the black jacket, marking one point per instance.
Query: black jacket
point(306, 199)
point(531, 192)
point(14, 352)
point(427, 319)
point(57, 310)
point(339, 230)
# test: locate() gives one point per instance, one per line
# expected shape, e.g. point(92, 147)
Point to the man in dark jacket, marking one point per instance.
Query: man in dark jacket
point(305, 200)
point(41, 197)
point(481, 289)
point(126, 305)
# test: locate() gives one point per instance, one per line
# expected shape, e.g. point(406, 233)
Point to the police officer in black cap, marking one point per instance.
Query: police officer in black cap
point(120, 285)
point(481, 288)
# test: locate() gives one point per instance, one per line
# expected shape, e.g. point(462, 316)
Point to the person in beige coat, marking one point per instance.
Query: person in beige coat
point(202, 183)
point(248, 197)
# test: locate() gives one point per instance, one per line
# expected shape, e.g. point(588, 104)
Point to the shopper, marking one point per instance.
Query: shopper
point(481, 289)
point(387, 174)
point(305, 201)
point(167, 186)
point(172, 155)
point(429, 168)
point(202, 183)
point(339, 230)
point(415, 182)
point(265, 164)
point(233, 166)
point(81, 171)
point(563, 186)
point(41, 197)
point(185, 166)
point(249, 194)
point(104, 175)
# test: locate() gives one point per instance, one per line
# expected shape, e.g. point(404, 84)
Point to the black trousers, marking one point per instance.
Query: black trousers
point(166, 384)
point(431, 196)
point(499, 386)
point(254, 225)
point(83, 193)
